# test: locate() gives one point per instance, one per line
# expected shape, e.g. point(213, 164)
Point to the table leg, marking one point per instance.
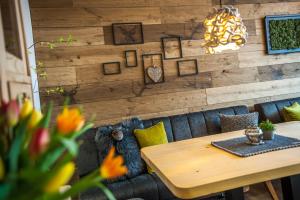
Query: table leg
point(291, 187)
point(235, 194)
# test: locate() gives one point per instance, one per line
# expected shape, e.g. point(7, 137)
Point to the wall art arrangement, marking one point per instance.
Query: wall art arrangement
point(127, 33)
point(187, 67)
point(152, 63)
point(171, 47)
point(153, 68)
point(131, 58)
point(111, 68)
point(282, 34)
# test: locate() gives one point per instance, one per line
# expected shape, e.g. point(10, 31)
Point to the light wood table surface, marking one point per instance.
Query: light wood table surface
point(194, 168)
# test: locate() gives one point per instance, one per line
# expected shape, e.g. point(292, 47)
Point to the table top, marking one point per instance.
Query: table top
point(194, 168)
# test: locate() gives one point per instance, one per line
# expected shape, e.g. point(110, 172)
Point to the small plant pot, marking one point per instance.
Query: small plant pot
point(268, 135)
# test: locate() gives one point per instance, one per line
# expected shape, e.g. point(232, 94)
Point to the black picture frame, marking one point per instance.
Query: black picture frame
point(147, 80)
point(163, 44)
point(126, 58)
point(196, 71)
point(120, 29)
point(105, 65)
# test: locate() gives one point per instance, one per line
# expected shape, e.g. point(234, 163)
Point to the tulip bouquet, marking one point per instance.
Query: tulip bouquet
point(36, 159)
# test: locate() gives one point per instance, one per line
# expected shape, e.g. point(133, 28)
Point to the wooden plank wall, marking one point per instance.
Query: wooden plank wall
point(246, 76)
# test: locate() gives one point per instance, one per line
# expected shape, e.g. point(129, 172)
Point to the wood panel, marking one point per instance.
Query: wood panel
point(82, 35)
point(50, 3)
point(252, 90)
point(138, 3)
point(246, 76)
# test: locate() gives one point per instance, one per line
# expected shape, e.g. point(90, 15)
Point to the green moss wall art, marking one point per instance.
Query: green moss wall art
point(282, 34)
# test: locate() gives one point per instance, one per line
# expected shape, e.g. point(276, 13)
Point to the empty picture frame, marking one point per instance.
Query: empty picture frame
point(171, 47)
point(127, 33)
point(131, 58)
point(153, 68)
point(111, 68)
point(187, 67)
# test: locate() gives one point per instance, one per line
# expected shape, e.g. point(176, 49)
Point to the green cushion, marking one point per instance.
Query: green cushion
point(151, 136)
point(292, 113)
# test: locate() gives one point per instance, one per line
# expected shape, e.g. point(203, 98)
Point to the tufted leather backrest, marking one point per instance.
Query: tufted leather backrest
point(179, 127)
point(274, 110)
point(187, 126)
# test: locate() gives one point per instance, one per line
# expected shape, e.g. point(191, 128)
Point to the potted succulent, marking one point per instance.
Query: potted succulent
point(268, 129)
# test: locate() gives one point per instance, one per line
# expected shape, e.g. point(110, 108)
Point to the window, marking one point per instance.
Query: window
point(10, 27)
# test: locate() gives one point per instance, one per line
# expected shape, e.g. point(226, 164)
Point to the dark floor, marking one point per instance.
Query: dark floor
point(260, 191)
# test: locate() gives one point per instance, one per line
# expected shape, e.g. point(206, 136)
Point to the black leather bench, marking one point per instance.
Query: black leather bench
point(274, 110)
point(149, 186)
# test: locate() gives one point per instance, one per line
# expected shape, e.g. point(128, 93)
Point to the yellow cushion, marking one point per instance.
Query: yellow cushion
point(151, 136)
point(292, 113)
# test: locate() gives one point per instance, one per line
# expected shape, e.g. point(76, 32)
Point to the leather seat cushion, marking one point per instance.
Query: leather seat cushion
point(142, 186)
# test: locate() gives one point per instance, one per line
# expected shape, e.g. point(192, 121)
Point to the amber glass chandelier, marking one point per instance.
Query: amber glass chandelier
point(224, 29)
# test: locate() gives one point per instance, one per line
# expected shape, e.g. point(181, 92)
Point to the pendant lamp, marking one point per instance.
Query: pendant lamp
point(224, 30)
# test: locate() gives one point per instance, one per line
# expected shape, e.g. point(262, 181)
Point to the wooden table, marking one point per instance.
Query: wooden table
point(194, 168)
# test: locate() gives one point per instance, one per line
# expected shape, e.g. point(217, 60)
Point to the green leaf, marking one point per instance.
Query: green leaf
point(87, 126)
point(50, 158)
point(5, 190)
point(47, 118)
point(16, 146)
point(71, 145)
point(106, 191)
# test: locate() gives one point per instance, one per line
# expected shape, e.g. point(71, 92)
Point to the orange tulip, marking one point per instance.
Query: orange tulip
point(112, 166)
point(69, 120)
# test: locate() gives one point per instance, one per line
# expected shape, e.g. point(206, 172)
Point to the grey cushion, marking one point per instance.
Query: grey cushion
point(127, 147)
point(238, 122)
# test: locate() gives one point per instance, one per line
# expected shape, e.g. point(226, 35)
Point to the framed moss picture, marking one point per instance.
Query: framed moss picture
point(282, 34)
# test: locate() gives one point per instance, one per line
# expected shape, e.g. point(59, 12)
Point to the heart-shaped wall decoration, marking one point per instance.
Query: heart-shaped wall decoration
point(154, 73)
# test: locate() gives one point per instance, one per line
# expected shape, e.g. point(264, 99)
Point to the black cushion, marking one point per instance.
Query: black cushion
point(142, 186)
point(87, 159)
point(181, 128)
point(197, 124)
point(127, 147)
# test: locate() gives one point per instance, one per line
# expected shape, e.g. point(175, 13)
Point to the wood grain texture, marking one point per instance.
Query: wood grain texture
point(245, 76)
point(50, 3)
point(198, 154)
point(252, 90)
point(82, 36)
point(138, 3)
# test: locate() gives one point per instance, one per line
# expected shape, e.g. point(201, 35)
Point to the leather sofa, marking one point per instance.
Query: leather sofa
point(149, 186)
point(274, 110)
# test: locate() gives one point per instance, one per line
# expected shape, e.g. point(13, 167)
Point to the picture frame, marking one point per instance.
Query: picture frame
point(150, 63)
point(167, 44)
point(127, 54)
point(194, 66)
point(268, 20)
point(127, 33)
point(107, 71)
